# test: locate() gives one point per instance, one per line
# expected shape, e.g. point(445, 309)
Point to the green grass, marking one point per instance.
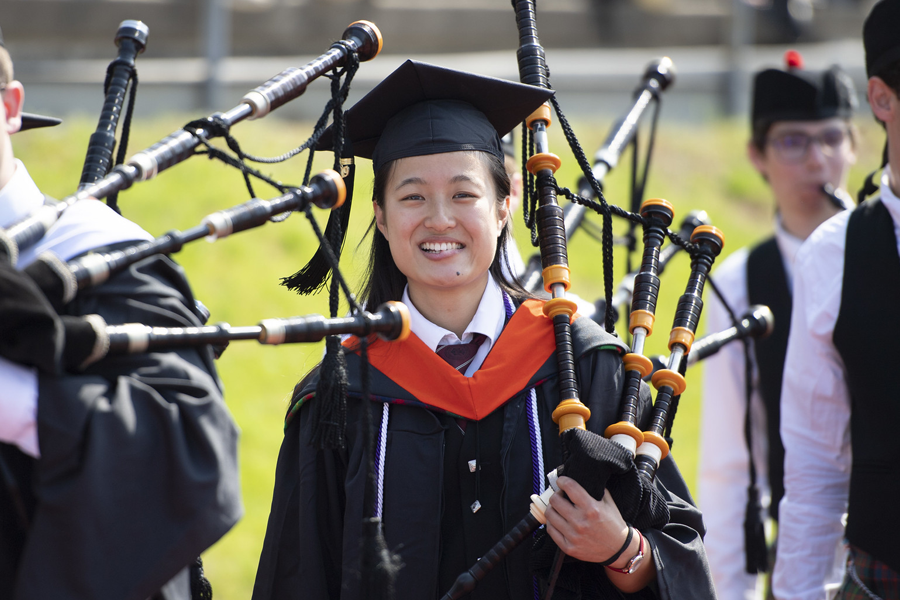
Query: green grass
point(694, 167)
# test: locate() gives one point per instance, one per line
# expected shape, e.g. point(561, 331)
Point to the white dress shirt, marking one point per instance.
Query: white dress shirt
point(815, 418)
point(85, 225)
point(723, 473)
point(489, 320)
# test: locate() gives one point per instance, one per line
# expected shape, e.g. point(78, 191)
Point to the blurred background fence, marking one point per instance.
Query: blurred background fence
point(204, 54)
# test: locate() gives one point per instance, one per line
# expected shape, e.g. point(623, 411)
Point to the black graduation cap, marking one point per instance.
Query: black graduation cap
point(508, 143)
point(424, 109)
point(32, 121)
point(799, 95)
point(880, 36)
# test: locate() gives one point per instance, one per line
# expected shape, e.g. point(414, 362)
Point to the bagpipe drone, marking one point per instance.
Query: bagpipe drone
point(588, 458)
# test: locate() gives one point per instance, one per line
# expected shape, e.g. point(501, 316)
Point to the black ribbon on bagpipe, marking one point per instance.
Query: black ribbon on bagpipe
point(756, 557)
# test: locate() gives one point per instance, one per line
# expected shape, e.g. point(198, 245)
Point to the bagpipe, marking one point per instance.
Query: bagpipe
point(658, 76)
point(33, 330)
point(48, 284)
point(361, 41)
point(629, 452)
point(390, 322)
point(61, 281)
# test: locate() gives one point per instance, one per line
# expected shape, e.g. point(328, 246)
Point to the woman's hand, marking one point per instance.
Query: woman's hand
point(593, 531)
point(584, 528)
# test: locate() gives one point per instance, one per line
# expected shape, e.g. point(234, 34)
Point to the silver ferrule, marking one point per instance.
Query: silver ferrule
point(273, 331)
point(219, 225)
point(675, 358)
point(637, 343)
point(97, 267)
point(146, 165)
point(258, 103)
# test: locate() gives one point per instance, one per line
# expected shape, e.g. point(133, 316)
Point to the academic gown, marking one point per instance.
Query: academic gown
point(138, 469)
point(311, 550)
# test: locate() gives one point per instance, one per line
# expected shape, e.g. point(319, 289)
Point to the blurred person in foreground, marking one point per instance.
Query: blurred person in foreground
point(802, 139)
point(840, 411)
point(115, 475)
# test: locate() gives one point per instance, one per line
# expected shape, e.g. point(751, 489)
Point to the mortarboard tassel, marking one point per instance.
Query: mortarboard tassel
point(315, 273)
point(329, 411)
point(379, 565)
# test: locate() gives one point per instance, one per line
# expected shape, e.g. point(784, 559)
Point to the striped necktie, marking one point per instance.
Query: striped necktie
point(460, 356)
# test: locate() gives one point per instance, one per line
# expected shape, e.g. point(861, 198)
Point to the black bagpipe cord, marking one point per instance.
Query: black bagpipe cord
point(328, 412)
point(756, 557)
point(216, 126)
point(602, 207)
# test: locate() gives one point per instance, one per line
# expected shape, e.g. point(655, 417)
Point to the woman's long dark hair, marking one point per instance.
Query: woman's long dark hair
point(383, 281)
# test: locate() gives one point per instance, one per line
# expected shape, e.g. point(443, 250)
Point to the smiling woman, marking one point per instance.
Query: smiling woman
point(462, 408)
point(443, 217)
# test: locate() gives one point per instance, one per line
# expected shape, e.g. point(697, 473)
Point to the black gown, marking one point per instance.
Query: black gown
point(311, 549)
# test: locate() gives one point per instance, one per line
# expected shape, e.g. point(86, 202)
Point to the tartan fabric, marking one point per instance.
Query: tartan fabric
point(880, 580)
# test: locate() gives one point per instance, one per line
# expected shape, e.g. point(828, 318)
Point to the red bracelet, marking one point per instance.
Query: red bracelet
point(635, 561)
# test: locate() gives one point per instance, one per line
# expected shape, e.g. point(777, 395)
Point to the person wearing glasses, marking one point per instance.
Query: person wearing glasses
point(841, 470)
point(802, 141)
